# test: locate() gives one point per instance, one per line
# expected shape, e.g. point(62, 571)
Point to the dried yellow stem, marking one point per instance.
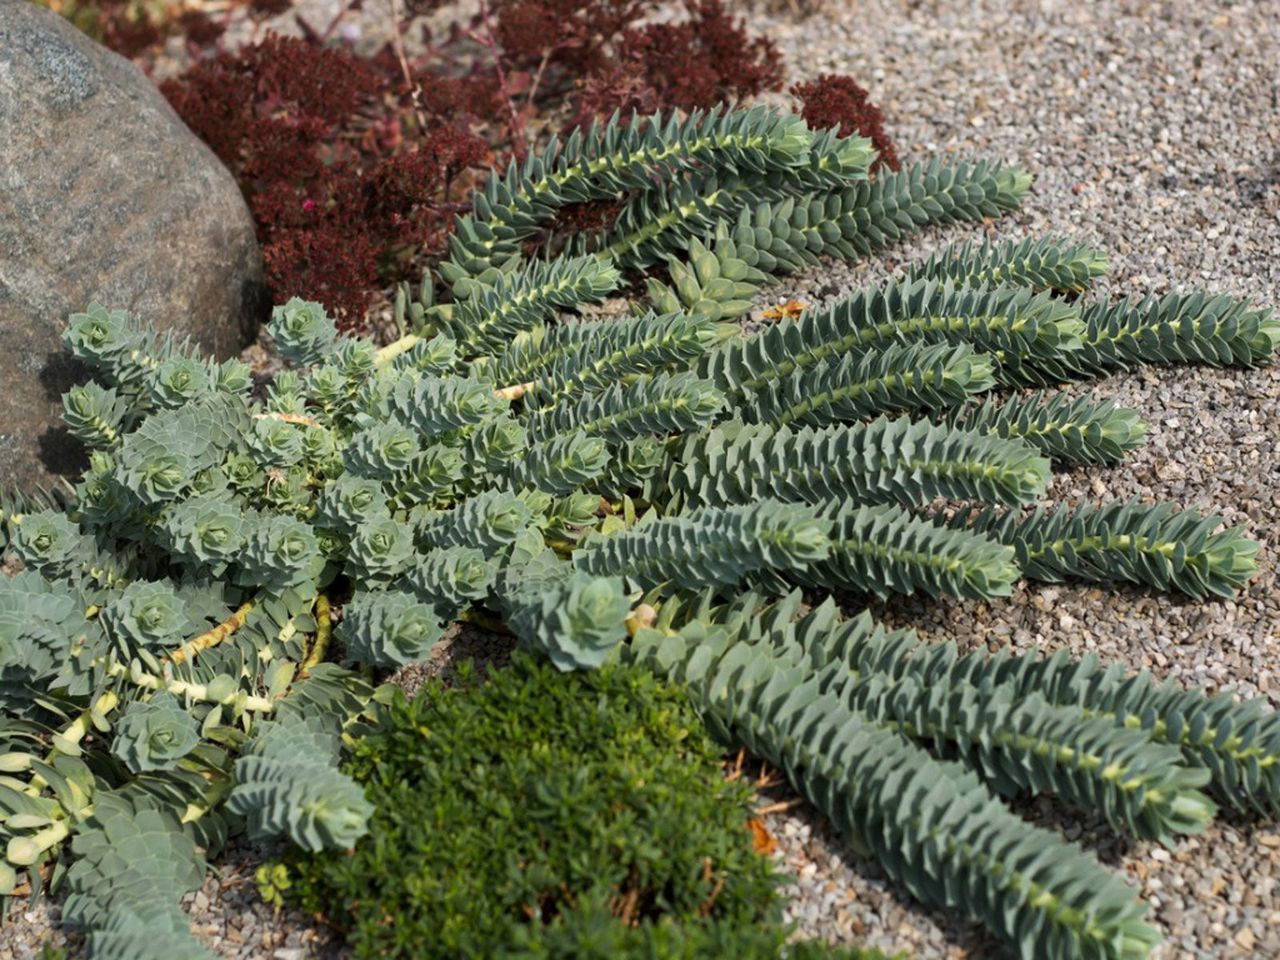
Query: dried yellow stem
point(213, 637)
point(299, 418)
point(324, 630)
point(514, 392)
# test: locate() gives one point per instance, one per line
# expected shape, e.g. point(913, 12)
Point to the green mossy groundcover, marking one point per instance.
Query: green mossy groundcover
point(549, 815)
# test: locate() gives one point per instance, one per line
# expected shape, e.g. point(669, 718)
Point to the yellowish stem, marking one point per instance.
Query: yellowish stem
point(299, 418)
point(393, 350)
point(642, 617)
point(514, 392)
point(213, 637)
point(324, 630)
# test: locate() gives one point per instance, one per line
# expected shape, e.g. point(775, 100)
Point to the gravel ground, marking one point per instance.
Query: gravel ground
point(1154, 132)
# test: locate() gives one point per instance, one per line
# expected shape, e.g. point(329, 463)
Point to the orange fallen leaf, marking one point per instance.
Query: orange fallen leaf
point(786, 311)
point(762, 840)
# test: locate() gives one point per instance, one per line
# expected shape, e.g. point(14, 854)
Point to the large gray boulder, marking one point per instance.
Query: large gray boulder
point(104, 195)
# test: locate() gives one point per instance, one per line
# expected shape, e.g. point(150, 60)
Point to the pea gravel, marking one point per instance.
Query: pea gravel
point(1154, 132)
point(1153, 129)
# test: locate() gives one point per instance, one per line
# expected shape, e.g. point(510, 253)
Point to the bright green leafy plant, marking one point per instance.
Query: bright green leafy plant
point(584, 480)
point(568, 815)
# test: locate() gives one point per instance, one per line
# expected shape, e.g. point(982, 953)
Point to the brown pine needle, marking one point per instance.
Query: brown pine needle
point(767, 778)
point(780, 807)
point(735, 772)
point(785, 311)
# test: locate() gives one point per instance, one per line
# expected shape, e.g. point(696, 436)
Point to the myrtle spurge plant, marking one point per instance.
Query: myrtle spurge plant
point(655, 486)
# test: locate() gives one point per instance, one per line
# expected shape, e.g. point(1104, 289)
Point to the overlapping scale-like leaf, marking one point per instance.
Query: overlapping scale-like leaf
point(576, 622)
point(519, 301)
point(450, 578)
point(1008, 322)
point(932, 825)
point(658, 222)
point(94, 414)
point(349, 502)
point(1157, 545)
point(715, 283)
point(381, 451)
point(494, 444)
point(631, 466)
point(893, 205)
point(146, 616)
point(1069, 431)
point(1020, 742)
point(578, 356)
point(1051, 263)
point(487, 521)
point(661, 404)
point(302, 331)
point(711, 546)
point(1176, 328)
point(432, 405)
point(860, 386)
point(388, 629)
point(47, 541)
point(380, 550)
point(883, 550)
point(154, 734)
point(132, 857)
point(885, 461)
point(280, 552)
point(562, 464)
point(288, 784)
point(104, 339)
point(778, 234)
point(1236, 741)
point(606, 159)
point(159, 460)
point(145, 931)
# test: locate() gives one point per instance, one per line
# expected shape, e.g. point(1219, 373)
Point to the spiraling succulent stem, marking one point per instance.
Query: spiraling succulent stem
point(181, 688)
point(324, 630)
point(213, 637)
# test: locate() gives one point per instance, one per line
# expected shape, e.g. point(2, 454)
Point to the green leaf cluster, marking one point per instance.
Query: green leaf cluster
point(549, 814)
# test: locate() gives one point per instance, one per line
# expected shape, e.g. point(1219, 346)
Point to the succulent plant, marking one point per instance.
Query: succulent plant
point(154, 734)
point(653, 485)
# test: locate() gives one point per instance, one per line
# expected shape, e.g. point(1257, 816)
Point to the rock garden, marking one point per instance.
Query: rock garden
point(610, 478)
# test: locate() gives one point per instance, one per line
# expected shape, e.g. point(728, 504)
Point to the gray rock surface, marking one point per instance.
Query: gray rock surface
point(104, 195)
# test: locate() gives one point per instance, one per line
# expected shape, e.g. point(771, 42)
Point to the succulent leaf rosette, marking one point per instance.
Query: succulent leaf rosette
point(155, 734)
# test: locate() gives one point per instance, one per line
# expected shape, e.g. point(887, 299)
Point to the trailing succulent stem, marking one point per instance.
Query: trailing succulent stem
point(933, 826)
point(1161, 546)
